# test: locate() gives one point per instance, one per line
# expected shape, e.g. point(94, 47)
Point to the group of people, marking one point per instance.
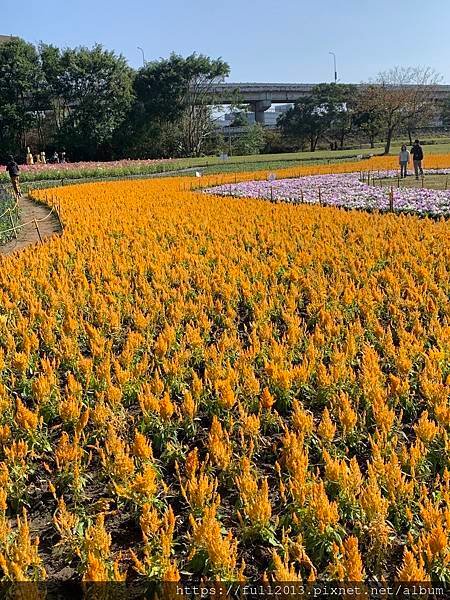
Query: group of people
point(58, 158)
point(14, 170)
point(404, 159)
point(41, 158)
point(405, 156)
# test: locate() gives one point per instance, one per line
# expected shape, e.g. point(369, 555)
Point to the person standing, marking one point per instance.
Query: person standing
point(417, 154)
point(30, 160)
point(403, 159)
point(13, 169)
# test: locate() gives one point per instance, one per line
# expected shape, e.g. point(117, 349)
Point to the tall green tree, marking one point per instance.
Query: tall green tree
point(326, 113)
point(178, 90)
point(90, 91)
point(240, 119)
point(368, 123)
point(339, 102)
point(20, 79)
point(252, 141)
point(303, 122)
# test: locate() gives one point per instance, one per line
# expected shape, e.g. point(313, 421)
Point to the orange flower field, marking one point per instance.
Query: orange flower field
point(226, 388)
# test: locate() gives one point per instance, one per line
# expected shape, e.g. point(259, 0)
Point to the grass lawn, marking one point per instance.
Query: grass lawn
point(214, 164)
point(433, 182)
point(442, 146)
point(268, 162)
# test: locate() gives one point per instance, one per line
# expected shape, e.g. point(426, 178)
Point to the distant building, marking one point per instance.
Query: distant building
point(270, 116)
point(229, 117)
point(282, 108)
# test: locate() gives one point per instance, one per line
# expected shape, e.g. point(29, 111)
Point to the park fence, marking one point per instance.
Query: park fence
point(9, 218)
point(16, 227)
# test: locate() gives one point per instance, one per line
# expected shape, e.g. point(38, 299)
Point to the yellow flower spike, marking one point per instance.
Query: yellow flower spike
point(70, 409)
point(283, 571)
point(221, 548)
point(96, 570)
point(225, 394)
point(352, 561)
point(346, 414)
point(197, 386)
point(188, 407)
point(166, 407)
point(219, 445)
point(324, 512)
point(149, 521)
point(411, 569)
point(145, 483)
point(83, 421)
point(267, 400)
point(438, 539)
point(326, 428)
point(67, 452)
point(16, 451)
point(26, 418)
point(20, 362)
point(425, 429)
point(373, 503)
point(302, 420)
point(148, 401)
point(65, 522)
point(20, 555)
point(141, 447)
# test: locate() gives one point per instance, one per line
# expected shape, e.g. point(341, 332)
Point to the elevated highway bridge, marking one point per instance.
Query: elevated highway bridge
point(261, 96)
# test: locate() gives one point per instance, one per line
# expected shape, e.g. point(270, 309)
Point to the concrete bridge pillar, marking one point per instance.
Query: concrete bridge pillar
point(259, 107)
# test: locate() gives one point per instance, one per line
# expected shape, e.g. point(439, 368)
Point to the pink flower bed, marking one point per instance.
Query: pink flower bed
point(114, 164)
point(345, 191)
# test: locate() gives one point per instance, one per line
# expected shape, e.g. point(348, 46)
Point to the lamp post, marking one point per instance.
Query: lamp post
point(335, 69)
point(143, 56)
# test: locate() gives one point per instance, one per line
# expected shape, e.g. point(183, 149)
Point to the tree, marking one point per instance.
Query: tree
point(400, 95)
point(445, 113)
point(53, 93)
point(368, 122)
point(179, 91)
point(252, 141)
point(276, 143)
point(338, 101)
point(303, 122)
point(327, 111)
point(90, 91)
point(20, 78)
point(240, 119)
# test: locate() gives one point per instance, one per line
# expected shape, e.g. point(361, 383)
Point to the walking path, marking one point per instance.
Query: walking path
point(30, 210)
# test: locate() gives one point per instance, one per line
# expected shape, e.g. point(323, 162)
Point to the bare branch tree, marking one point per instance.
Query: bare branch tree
point(402, 96)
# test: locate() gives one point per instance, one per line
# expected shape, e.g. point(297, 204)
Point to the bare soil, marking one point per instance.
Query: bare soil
point(28, 234)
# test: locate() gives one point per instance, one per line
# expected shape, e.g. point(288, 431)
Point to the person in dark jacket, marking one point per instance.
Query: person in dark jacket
point(417, 156)
point(13, 169)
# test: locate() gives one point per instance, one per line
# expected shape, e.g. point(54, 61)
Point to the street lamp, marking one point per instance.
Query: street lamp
point(143, 56)
point(335, 69)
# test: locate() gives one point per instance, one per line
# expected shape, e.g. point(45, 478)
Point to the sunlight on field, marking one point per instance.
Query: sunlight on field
point(225, 387)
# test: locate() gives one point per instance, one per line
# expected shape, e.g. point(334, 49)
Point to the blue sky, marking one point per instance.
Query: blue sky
point(279, 41)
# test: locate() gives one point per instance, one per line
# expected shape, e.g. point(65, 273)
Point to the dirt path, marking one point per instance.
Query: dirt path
point(30, 210)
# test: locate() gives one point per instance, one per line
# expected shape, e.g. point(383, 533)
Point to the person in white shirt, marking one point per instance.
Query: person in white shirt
point(403, 159)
